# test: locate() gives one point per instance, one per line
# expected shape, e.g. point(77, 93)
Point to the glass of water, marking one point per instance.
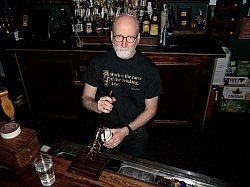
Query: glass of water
point(44, 166)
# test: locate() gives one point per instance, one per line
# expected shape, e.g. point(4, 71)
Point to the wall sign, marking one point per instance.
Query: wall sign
point(245, 29)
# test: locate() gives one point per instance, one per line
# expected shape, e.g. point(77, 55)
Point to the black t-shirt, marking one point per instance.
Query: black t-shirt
point(131, 82)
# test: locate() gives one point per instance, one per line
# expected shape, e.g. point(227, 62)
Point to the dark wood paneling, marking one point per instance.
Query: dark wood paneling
point(53, 82)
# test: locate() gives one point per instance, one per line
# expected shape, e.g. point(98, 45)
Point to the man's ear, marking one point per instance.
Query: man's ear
point(111, 35)
point(138, 37)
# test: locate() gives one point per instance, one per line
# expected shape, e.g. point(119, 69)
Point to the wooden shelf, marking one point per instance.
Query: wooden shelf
point(186, 1)
point(50, 2)
point(105, 40)
point(189, 32)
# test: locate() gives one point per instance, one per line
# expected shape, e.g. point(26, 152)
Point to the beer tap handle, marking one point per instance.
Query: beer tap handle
point(7, 105)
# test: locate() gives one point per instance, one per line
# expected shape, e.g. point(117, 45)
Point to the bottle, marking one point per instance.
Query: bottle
point(64, 30)
point(150, 9)
point(200, 21)
point(89, 26)
point(165, 36)
point(171, 19)
point(145, 23)
point(98, 26)
point(63, 18)
point(140, 13)
point(106, 26)
point(154, 26)
point(164, 20)
point(89, 23)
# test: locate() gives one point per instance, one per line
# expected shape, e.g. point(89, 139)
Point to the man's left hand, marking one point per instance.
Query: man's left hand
point(117, 136)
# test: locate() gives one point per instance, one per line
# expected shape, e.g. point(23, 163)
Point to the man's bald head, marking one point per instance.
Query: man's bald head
point(128, 22)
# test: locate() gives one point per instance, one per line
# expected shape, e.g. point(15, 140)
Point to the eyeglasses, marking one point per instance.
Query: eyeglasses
point(129, 39)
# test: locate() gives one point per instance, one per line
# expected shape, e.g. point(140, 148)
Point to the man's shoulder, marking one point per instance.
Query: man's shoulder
point(104, 55)
point(142, 55)
point(145, 60)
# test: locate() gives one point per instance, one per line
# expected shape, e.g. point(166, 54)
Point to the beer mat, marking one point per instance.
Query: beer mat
point(86, 167)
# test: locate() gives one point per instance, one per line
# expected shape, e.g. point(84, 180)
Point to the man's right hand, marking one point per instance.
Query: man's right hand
point(105, 104)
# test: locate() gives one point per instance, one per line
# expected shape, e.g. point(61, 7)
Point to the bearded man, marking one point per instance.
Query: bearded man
point(128, 86)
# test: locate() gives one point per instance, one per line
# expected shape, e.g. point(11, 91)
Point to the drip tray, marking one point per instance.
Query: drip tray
point(66, 149)
point(133, 172)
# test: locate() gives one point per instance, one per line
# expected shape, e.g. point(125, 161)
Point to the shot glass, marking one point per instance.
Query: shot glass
point(44, 166)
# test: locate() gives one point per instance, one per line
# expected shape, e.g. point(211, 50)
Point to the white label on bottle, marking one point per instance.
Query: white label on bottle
point(183, 23)
point(16, 34)
point(183, 14)
point(154, 29)
point(78, 27)
point(145, 26)
point(88, 28)
point(212, 2)
point(25, 20)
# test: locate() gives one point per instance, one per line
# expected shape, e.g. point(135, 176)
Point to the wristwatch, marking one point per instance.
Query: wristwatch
point(129, 129)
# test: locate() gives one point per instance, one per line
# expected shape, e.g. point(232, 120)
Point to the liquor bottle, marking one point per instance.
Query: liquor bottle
point(145, 23)
point(154, 25)
point(98, 26)
point(140, 13)
point(63, 18)
point(200, 21)
point(150, 9)
point(89, 24)
point(210, 19)
point(64, 31)
point(106, 26)
point(165, 36)
point(164, 20)
point(171, 19)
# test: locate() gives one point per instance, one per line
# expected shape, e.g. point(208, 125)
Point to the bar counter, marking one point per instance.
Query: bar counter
point(29, 178)
point(73, 169)
point(105, 170)
point(181, 44)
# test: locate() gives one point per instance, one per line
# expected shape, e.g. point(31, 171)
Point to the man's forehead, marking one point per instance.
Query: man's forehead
point(127, 29)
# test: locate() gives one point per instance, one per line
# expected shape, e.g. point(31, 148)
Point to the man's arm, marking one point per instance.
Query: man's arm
point(104, 104)
point(142, 119)
point(147, 114)
point(88, 98)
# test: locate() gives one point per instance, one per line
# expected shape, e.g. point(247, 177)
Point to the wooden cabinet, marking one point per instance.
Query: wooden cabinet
point(186, 80)
point(52, 82)
point(224, 19)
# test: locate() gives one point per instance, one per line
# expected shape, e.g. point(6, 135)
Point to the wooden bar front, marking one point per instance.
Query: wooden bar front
point(29, 178)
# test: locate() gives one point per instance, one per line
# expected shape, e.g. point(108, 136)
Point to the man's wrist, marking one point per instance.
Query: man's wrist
point(130, 130)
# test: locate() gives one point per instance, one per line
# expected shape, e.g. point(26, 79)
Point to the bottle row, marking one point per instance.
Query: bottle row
point(97, 19)
point(100, 15)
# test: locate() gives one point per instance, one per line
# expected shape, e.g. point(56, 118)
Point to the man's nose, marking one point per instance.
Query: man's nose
point(124, 42)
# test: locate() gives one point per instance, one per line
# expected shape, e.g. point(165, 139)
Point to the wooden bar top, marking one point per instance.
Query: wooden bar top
point(29, 178)
point(198, 45)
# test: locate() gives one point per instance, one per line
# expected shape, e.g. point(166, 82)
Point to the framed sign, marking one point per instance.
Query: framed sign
point(245, 29)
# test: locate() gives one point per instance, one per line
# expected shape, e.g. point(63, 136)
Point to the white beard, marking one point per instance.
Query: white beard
point(124, 53)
